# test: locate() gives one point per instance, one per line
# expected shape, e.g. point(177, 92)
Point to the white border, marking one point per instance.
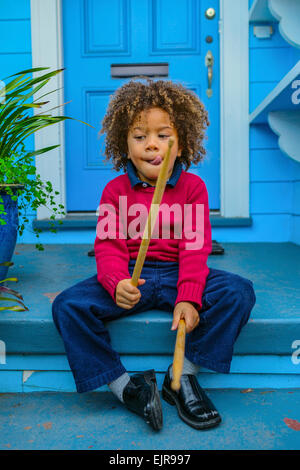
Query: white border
point(46, 31)
point(47, 51)
point(234, 102)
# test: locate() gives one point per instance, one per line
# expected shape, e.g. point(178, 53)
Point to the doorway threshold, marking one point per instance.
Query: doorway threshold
point(88, 220)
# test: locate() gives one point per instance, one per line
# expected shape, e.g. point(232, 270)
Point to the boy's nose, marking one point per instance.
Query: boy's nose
point(151, 143)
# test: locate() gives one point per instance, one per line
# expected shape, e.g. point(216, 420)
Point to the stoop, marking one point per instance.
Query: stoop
point(266, 355)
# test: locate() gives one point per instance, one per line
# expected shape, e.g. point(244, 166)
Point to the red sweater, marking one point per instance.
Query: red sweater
point(114, 252)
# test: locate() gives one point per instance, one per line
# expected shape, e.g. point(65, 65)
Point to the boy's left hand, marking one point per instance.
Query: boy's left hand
point(189, 313)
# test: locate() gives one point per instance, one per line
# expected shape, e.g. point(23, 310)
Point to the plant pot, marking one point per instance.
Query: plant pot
point(9, 231)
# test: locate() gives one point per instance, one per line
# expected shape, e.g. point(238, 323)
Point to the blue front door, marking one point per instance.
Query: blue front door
point(107, 41)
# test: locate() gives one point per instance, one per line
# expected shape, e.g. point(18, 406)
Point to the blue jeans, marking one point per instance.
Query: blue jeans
point(80, 312)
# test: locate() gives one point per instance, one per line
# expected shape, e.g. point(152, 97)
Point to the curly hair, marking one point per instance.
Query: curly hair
point(187, 114)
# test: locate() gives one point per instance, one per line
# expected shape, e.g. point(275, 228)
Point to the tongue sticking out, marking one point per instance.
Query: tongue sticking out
point(156, 161)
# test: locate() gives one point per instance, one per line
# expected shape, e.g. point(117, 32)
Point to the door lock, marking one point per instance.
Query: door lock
point(210, 13)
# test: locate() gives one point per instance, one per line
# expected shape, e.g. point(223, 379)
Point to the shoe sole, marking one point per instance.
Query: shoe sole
point(171, 398)
point(153, 409)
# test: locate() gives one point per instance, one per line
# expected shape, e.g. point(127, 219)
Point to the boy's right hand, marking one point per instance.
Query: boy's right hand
point(128, 295)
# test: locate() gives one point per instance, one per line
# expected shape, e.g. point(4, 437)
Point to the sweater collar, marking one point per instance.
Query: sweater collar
point(134, 179)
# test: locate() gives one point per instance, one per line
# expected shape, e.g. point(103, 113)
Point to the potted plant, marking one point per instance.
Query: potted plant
point(20, 187)
point(16, 308)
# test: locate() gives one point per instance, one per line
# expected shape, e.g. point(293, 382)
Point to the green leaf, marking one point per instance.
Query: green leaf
point(14, 279)
point(48, 93)
point(36, 69)
point(39, 152)
point(17, 123)
point(38, 79)
point(21, 97)
point(13, 300)
point(11, 292)
point(13, 83)
point(19, 134)
point(15, 308)
point(8, 118)
point(14, 96)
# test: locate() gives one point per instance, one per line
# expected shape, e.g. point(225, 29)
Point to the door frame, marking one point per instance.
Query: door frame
point(47, 42)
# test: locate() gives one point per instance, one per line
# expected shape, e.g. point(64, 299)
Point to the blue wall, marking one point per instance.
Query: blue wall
point(274, 178)
point(15, 36)
point(15, 43)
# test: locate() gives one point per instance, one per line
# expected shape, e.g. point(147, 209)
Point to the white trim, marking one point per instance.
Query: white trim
point(234, 102)
point(47, 49)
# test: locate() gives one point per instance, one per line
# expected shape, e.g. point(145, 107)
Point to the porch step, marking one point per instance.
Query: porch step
point(251, 420)
point(263, 350)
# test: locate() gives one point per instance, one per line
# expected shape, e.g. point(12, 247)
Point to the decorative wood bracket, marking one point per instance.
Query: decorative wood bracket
point(281, 110)
point(286, 13)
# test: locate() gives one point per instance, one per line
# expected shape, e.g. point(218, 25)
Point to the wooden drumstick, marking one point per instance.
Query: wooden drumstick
point(156, 200)
point(178, 355)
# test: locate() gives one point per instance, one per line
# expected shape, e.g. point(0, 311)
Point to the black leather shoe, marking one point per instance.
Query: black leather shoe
point(142, 397)
point(193, 405)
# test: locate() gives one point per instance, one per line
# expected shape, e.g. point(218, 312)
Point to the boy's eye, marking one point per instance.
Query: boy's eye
point(142, 137)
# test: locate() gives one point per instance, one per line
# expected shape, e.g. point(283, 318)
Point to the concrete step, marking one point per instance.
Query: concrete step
point(263, 351)
point(31, 373)
point(275, 319)
point(251, 420)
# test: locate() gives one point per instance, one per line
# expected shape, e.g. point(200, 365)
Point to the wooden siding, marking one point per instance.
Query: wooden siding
point(15, 44)
point(274, 177)
point(15, 37)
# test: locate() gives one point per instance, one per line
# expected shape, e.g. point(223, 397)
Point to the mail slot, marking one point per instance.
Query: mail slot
point(134, 70)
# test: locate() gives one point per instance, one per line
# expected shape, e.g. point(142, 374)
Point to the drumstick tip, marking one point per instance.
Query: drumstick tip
point(175, 385)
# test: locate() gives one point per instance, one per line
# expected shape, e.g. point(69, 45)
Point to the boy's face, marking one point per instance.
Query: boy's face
point(147, 139)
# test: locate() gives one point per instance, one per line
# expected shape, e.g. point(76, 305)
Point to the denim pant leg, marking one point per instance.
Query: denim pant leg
point(80, 313)
point(227, 303)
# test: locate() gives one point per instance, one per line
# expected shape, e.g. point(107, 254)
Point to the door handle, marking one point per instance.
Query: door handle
point(209, 62)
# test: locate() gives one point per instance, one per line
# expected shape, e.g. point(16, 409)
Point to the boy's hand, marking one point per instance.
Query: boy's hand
point(128, 295)
point(188, 312)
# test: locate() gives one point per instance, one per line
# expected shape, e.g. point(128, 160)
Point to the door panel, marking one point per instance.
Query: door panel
point(101, 33)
